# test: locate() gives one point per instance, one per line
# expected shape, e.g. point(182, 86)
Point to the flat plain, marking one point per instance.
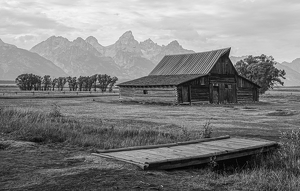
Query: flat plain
point(276, 111)
point(42, 166)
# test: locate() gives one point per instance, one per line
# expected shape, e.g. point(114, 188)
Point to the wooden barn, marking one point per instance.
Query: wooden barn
point(191, 78)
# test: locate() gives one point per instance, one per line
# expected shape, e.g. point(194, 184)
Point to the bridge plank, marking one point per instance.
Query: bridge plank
point(183, 154)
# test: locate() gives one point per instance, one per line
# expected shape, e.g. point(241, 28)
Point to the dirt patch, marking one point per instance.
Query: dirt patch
point(29, 166)
point(55, 167)
point(80, 163)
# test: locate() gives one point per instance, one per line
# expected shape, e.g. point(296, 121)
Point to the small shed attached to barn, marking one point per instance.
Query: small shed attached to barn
point(190, 78)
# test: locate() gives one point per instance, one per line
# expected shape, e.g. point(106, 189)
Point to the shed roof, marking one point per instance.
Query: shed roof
point(194, 63)
point(249, 81)
point(161, 80)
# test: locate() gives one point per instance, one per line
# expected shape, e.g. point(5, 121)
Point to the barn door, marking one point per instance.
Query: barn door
point(228, 93)
point(216, 94)
point(185, 94)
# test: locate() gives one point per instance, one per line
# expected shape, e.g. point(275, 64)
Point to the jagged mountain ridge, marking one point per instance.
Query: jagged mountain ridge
point(126, 58)
point(15, 61)
point(76, 58)
point(135, 58)
point(127, 54)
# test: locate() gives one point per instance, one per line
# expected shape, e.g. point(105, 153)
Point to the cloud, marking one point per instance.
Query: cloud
point(26, 38)
point(249, 26)
point(24, 21)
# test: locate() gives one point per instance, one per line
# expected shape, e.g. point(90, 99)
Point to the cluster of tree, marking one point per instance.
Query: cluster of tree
point(29, 82)
point(83, 83)
point(261, 70)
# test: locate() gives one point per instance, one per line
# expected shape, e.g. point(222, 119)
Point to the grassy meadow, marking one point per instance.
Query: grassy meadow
point(50, 141)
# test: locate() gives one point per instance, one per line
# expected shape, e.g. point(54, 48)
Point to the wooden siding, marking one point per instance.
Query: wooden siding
point(242, 83)
point(149, 94)
point(223, 66)
point(196, 93)
point(202, 81)
point(199, 93)
point(227, 93)
point(222, 79)
point(246, 91)
point(198, 90)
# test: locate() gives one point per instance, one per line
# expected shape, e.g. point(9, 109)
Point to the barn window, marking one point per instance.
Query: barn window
point(145, 91)
point(228, 86)
point(202, 81)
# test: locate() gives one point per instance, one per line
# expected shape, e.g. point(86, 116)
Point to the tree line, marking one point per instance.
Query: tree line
point(82, 83)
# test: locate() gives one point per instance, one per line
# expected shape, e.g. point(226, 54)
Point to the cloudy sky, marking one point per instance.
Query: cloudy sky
point(254, 27)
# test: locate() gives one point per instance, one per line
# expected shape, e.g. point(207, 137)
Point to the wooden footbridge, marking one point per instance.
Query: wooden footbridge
point(182, 154)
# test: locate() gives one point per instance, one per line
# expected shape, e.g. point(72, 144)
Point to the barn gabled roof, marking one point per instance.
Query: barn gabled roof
point(161, 80)
point(194, 63)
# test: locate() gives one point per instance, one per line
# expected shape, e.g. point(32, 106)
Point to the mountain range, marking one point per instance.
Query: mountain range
point(15, 61)
point(126, 58)
point(292, 72)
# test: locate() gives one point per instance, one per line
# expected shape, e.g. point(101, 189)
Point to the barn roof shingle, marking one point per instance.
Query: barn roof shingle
point(194, 63)
point(161, 80)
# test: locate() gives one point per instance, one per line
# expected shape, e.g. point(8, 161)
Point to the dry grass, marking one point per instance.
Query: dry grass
point(4, 146)
point(53, 127)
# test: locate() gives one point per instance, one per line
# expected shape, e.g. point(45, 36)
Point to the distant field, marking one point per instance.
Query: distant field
point(8, 88)
point(8, 85)
point(287, 88)
point(7, 82)
point(17, 94)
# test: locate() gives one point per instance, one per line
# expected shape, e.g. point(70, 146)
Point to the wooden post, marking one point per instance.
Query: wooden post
point(190, 94)
point(211, 89)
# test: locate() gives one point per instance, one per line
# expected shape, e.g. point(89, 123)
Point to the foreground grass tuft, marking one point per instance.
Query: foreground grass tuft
point(279, 170)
